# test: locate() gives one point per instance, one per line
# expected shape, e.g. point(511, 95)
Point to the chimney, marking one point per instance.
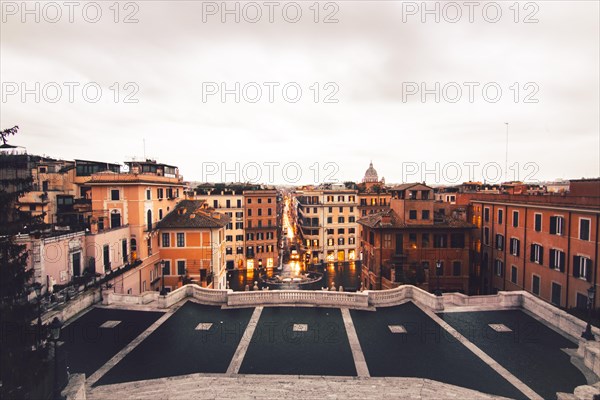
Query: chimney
point(386, 219)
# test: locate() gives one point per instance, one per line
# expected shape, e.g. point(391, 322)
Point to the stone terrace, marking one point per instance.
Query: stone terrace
point(423, 325)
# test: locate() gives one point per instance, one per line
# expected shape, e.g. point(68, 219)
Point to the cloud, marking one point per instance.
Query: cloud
point(368, 57)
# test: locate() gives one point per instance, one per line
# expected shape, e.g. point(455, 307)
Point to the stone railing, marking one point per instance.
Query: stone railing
point(73, 307)
point(173, 297)
point(503, 299)
point(555, 316)
point(209, 296)
point(109, 297)
point(379, 298)
point(402, 294)
point(313, 297)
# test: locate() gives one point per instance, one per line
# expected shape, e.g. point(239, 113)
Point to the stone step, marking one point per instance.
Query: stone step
point(277, 387)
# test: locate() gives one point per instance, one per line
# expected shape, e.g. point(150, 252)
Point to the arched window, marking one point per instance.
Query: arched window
point(115, 219)
point(133, 245)
point(149, 220)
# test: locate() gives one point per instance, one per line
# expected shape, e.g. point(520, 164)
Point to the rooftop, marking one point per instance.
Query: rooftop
point(193, 214)
point(390, 219)
point(107, 177)
point(548, 200)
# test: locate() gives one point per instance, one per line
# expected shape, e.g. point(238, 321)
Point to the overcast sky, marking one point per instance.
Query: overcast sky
point(374, 61)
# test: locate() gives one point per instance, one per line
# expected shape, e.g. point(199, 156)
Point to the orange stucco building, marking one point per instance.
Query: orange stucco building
point(406, 243)
point(192, 245)
point(139, 198)
point(546, 245)
point(261, 228)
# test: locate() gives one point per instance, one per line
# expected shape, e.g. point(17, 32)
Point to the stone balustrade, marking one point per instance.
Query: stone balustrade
point(109, 297)
point(173, 297)
point(380, 298)
point(209, 296)
point(73, 307)
point(555, 316)
point(293, 297)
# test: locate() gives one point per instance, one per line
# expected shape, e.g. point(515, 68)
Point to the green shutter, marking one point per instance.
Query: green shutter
point(531, 253)
point(576, 261)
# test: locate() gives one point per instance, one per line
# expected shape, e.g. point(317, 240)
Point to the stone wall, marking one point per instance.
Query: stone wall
point(74, 306)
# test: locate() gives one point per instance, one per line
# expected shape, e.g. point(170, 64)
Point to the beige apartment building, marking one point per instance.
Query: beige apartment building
point(229, 201)
point(327, 218)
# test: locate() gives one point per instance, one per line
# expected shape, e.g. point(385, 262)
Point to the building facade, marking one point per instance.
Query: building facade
point(328, 223)
point(546, 245)
point(192, 246)
point(417, 241)
point(229, 200)
point(262, 226)
point(139, 198)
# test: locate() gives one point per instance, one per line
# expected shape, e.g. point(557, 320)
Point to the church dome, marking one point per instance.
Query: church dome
point(371, 174)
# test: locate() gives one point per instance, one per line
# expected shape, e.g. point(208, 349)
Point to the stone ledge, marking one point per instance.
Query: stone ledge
point(590, 352)
point(75, 389)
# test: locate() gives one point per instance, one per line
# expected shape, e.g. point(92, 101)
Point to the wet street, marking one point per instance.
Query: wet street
point(338, 274)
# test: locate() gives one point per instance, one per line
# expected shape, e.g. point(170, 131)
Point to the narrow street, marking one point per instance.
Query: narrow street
point(293, 271)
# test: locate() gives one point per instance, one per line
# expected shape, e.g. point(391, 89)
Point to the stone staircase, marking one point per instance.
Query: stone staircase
point(279, 387)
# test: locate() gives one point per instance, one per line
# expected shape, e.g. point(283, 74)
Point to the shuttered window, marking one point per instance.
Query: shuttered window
point(557, 260)
point(582, 268)
point(537, 254)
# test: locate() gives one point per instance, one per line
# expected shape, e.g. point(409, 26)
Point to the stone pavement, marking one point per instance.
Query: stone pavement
point(278, 387)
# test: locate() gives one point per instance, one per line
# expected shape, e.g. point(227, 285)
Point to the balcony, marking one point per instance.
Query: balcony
point(309, 224)
point(305, 202)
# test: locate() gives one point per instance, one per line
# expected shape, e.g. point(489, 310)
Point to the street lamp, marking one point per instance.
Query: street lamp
point(438, 272)
point(55, 327)
point(163, 291)
point(587, 334)
point(38, 292)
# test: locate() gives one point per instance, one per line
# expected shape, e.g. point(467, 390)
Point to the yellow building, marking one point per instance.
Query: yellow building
point(328, 223)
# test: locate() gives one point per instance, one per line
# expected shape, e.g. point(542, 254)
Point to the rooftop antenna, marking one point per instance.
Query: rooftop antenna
point(506, 156)
point(144, 140)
